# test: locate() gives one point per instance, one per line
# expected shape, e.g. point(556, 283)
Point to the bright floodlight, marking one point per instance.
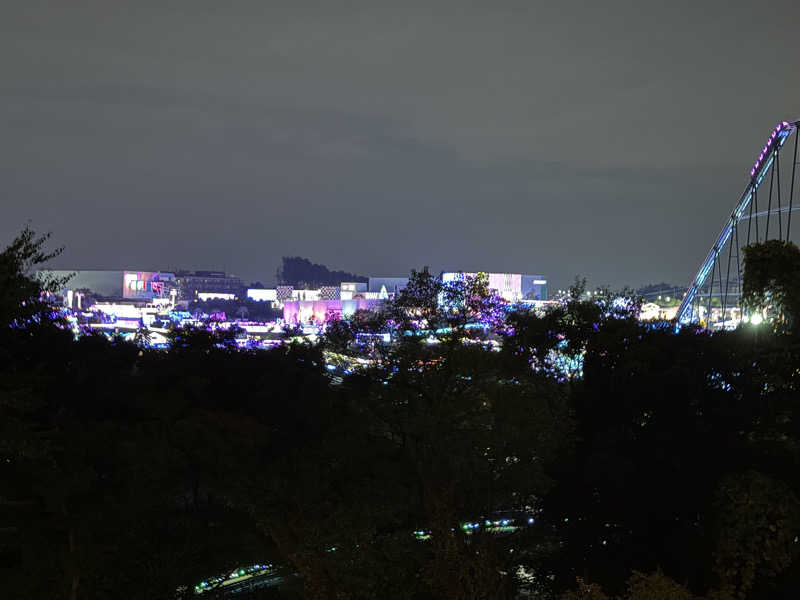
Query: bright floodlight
point(756, 319)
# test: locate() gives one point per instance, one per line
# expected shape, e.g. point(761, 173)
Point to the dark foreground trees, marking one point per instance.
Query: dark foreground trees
point(653, 463)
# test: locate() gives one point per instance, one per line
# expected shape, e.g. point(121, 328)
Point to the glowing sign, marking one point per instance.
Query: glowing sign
point(144, 284)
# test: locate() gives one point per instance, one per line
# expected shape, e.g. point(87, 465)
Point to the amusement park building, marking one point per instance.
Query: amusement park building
point(127, 285)
point(512, 287)
point(191, 283)
point(300, 312)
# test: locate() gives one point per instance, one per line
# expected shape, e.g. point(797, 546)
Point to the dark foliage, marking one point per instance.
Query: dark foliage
point(772, 281)
point(657, 464)
point(302, 273)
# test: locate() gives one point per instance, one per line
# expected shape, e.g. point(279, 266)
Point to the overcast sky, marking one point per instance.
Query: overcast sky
point(606, 139)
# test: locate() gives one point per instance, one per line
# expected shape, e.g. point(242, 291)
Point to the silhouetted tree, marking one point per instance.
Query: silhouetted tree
point(772, 279)
point(302, 273)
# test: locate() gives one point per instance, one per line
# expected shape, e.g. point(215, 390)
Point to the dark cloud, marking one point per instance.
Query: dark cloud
point(606, 139)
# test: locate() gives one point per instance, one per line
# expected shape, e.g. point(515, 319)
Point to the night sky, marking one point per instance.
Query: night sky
point(606, 139)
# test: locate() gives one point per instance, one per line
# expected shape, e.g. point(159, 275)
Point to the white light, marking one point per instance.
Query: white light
point(756, 319)
point(262, 295)
point(215, 296)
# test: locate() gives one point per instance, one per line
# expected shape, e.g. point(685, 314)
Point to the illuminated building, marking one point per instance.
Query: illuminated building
point(511, 287)
point(260, 295)
point(146, 285)
point(352, 289)
point(191, 283)
point(304, 312)
point(127, 285)
point(385, 287)
point(203, 296)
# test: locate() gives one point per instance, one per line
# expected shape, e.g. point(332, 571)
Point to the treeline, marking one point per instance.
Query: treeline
point(653, 463)
point(302, 273)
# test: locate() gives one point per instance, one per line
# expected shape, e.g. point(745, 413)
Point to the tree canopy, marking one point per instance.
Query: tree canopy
point(478, 453)
point(772, 279)
point(302, 273)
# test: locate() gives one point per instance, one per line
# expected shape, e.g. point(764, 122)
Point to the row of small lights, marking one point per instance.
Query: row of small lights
point(596, 293)
point(204, 585)
point(764, 150)
point(470, 526)
point(419, 534)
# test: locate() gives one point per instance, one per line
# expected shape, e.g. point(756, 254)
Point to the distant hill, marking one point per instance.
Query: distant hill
point(302, 273)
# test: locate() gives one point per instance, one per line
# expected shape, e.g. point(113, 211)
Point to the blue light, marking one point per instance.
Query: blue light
point(760, 170)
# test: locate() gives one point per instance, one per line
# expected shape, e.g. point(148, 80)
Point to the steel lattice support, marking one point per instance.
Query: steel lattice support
point(766, 165)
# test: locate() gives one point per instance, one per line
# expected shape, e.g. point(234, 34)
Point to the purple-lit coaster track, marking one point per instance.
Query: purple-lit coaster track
point(713, 295)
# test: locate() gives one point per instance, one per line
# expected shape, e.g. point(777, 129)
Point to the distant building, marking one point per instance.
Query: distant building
point(329, 292)
point(205, 296)
point(261, 295)
point(119, 285)
point(146, 285)
point(512, 287)
point(385, 287)
point(284, 293)
point(317, 312)
point(534, 287)
point(191, 283)
point(352, 289)
point(103, 284)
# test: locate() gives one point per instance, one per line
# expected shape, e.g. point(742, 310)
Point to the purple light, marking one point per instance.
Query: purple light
point(765, 150)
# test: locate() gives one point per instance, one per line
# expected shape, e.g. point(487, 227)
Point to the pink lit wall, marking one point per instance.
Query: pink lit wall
point(318, 311)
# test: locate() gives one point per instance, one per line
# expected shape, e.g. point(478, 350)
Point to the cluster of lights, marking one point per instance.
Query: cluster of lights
point(472, 526)
point(756, 319)
point(421, 534)
point(250, 571)
point(498, 525)
point(765, 149)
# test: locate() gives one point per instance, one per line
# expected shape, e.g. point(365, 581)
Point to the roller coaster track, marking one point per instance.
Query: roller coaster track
point(746, 215)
